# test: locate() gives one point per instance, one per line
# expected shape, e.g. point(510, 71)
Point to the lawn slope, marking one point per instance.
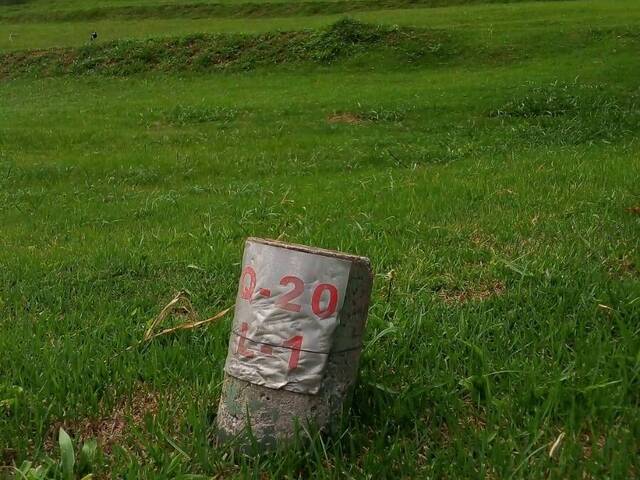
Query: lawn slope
point(490, 169)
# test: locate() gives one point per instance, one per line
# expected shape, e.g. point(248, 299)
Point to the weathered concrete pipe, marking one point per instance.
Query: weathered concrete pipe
point(295, 341)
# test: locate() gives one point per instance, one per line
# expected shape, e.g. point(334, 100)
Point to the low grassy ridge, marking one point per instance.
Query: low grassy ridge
point(487, 25)
point(230, 9)
point(223, 52)
point(493, 180)
point(347, 41)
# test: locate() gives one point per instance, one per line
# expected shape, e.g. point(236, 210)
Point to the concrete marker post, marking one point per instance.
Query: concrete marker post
point(259, 392)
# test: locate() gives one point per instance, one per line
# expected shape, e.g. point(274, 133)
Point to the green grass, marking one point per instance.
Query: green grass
point(498, 183)
point(492, 23)
point(75, 10)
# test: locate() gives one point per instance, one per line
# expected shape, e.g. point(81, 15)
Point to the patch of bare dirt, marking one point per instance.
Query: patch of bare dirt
point(628, 267)
point(622, 267)
point(589, 443)
point(480, 239)
point(7, 457)
point(345, 117)
point(474, 418)
point(112, 428)
point(472, 294)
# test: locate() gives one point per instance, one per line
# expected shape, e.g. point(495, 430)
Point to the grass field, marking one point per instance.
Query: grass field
point(494, 22)
point(487, 155)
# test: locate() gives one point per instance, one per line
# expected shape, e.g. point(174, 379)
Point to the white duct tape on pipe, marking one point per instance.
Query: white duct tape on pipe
point(287, 310)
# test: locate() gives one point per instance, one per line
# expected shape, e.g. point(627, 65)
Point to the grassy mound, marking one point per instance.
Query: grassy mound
point(570, 113)
point(223, 52)
point(363, 44)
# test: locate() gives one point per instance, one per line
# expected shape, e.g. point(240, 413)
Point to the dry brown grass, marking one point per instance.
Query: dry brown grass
point(345, 117)
point(472, 293)
point(635, 210)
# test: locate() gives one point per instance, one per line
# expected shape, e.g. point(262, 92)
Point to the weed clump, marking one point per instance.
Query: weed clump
point(378, 114)
point(344, 37)
point(571, 113)
point(192, 114)
point(542, 101)
point(383, 114)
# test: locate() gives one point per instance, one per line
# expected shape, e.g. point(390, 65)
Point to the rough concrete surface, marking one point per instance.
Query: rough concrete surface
point(273, 414)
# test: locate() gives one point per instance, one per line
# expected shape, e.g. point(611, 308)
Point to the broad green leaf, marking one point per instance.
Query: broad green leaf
point(67, 457)
point(87, 456)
